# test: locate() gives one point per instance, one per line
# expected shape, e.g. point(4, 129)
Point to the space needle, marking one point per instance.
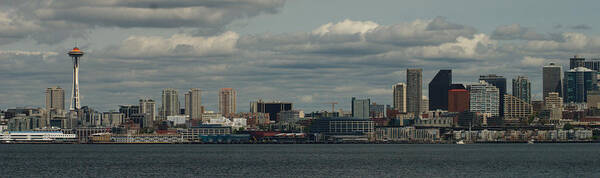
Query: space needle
point(75, 55)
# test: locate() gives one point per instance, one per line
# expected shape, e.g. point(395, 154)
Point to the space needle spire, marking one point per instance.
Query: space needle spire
point(75, 55)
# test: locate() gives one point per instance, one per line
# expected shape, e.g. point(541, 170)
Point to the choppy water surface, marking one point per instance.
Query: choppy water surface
point(479, 160)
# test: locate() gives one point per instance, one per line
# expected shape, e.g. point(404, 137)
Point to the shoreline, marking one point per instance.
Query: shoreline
point(306, 143)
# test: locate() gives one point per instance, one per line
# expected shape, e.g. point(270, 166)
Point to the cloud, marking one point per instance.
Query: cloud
point(346, 27)
point(155, 13)
point(515, 31)
point(571, 42)
point(178, 45)
point(354, 38)
point(306, 98)
point(419, 32)
point(476, 48)
point(379, 91)
point(581, 27)
point(533, 61)
point(53, 21)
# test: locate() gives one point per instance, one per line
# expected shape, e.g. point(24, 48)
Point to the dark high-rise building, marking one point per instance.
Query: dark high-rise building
point(458, 100)
point(272, 108)
point(438, 90)
point(593, 64)
point(521, 88)
point(552, 79)
point(500, 83)
point(578, 82)
point(129, 110)
point(576, 61)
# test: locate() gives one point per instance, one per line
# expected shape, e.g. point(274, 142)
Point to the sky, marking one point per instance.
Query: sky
point(308, 52)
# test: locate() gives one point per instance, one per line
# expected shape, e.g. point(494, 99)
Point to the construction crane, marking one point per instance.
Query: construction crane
point(332, 106)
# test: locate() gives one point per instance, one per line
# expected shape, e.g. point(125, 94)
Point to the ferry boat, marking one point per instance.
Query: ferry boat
point(36, 137)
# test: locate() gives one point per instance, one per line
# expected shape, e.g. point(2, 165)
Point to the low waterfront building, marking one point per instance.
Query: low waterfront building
point(229, 138)
point(84, 133)
point(343, 129)
point(407, 134)
point(193, 134)
point(147, 138)
point(523, 135)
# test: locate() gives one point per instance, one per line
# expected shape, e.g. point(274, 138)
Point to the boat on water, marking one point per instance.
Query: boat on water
point(460, 142)
point(530, 141)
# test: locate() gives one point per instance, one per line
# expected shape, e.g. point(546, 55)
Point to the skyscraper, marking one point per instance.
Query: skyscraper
point(170, 103)
point(500, 83)
point(578, 82)
point(576, 61)
point(399, 97)
point(55, 99)
point(186, 105)
point(484, 98)
point(521, 88)
point(361, 108)
point(552, 79)
point(75, 102)
point(148, 107)
point(227, 101)
point(194, 103)
point(414, 93)
point(438, 90)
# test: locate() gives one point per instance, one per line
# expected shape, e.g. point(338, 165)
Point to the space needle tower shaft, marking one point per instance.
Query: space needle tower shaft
point(75, 55)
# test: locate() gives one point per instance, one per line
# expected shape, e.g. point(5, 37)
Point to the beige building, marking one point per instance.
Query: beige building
point(227, 101)
point(425, 104)
point(55, 99)
point(554, 103)
point(170, 103)
point(148, 107)
point(515, 108)
point(193, 103)
point(400, 97)
point(414, 93)
point(593, 99)
point(553, 100)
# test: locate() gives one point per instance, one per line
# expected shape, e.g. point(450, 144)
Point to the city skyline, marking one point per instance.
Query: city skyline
point(267, 61)
point(304, 88)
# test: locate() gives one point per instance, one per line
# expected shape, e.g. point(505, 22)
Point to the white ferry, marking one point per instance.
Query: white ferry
point(36, 137)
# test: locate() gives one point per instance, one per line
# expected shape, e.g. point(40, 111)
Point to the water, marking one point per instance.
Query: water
point(484, 160)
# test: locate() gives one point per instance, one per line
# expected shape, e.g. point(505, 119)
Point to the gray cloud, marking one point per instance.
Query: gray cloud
point(515, 31)
point(581, 27)
point(420, 32)
point(156, 13)
point(53, 21)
